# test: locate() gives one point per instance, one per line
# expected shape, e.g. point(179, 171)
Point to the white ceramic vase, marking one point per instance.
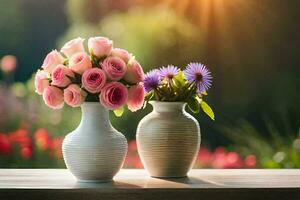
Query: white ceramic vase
point(94, 151)
point(168, 140)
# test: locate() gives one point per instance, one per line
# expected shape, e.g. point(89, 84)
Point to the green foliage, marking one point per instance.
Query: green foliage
point(274, 148)
point(207, 109)
point(119, 112)
point(178, 89)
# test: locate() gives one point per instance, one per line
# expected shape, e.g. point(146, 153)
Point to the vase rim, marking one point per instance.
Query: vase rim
point(92, 104)
point(167, 102)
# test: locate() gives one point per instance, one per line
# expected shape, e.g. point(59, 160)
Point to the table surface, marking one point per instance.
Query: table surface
point(137, 184)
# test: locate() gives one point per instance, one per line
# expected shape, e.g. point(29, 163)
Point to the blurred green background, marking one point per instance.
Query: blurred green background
point(251, 47)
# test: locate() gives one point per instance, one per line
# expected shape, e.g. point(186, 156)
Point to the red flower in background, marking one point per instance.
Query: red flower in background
point(55, 147)
point(20, 137)
point(42, 139)
point(26, 152)
point(5, 146)
point(45, 142)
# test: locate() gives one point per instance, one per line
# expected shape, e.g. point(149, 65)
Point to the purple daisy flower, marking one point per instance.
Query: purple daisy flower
point(152, 80)
point(200, 75)
point(169, 72)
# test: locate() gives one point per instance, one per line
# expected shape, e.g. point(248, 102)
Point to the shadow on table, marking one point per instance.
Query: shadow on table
point(192, 182)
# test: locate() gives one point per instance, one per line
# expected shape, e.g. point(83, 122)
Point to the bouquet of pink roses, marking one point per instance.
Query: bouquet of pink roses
point(107, 75)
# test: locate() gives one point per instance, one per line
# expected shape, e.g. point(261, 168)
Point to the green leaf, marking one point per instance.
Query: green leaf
point(119, 112)
point(194, 105)
point(207, 109)
point(149, 96)
point(179, 80)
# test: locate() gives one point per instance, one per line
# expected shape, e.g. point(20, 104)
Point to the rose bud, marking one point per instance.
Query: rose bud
point(74, 96)
point(93, 80)
point(121, 53)
point(52, 60)
point(100, 46)
point(135, 73)
point(113, 95)
point(53, 97)
point(72, 47)
point(80, 62)
point(41, 81)
point(61, 76)
point(135, 97)
point(8, 63)
point(114, 67)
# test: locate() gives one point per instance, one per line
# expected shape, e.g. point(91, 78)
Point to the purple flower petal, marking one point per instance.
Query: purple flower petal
point(200, 75)
point(169, 72)
point(152, 80)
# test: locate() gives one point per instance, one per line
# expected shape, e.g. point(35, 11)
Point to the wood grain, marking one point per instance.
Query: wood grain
point(59, 184)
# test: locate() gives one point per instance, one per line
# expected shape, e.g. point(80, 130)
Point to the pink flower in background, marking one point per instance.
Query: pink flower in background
point(41, 81)
point(135, 73)
point(205, 157)
point(100, 46)
point(222, 159)
point(74, 96)
point(93, 80)
point(250, 161)
point(114, 67)
point(80, 62)
point(8, 63)
point(121, 53)
point(135, 97)
point(113, 95)
point(132, 158)
point(52, 60)
point(72, 47)
point(53, 97)
point(61, 76)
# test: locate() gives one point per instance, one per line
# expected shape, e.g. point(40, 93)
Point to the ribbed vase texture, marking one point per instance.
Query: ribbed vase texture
point(94, 151)
point(168, 140)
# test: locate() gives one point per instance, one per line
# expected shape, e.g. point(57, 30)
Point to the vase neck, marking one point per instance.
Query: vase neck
point(94, 116)
point(167, 107)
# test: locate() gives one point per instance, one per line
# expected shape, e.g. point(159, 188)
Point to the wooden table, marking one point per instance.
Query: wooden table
point(129, 184)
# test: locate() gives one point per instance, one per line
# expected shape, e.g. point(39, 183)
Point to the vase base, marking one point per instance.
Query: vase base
point(94, 181)
point(170, 177)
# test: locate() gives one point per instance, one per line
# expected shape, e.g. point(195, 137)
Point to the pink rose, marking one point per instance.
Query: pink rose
point(8, 63)
point(121, 53)
point(93, 80)
point(52, 60)
point(100, 46)
point(53, 97)
point(135, 97)
point(60, 76)
point(80, 62)
point(74, 96)
point(135, 73)
point(41, 81)
point(114, 67)
point(113, 95)
point(72, 47)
